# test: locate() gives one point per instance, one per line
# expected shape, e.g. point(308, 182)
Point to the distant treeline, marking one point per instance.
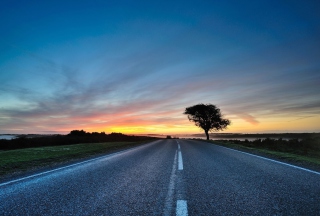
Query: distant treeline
point(310, 145)
point(74, 137)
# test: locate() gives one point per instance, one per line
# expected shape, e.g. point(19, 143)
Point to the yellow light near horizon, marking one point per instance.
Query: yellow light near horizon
point(157, 129)
point(281, 124)
point(265, 125)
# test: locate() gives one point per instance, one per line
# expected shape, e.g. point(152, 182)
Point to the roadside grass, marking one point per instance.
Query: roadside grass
point(311, 160)
point(21, 160)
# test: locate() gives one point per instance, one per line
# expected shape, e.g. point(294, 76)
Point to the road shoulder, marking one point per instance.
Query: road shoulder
point(45, 165)
point(285, 158)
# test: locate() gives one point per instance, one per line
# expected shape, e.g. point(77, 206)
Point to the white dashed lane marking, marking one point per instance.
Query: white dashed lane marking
point(180, 161)
point(182, 208)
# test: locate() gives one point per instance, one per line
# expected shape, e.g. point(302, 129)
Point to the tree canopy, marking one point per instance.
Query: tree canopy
point(208, 117)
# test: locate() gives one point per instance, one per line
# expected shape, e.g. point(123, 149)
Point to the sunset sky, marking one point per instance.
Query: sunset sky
point(134, 66)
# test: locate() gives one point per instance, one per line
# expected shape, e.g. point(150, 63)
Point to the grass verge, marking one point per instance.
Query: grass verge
point(307, 161)
point(13, 162)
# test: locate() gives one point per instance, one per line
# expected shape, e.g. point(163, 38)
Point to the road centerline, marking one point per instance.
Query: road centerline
point(169, 198)
point(181, 204)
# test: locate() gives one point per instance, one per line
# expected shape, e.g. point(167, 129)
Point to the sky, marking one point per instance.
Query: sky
point(134, 66)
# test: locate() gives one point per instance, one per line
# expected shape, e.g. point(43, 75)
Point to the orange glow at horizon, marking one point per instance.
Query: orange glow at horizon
point(160, 123)
point(265, 125)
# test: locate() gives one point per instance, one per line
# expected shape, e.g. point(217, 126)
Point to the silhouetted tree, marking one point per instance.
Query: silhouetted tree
point(78, 133)
point(208, 117)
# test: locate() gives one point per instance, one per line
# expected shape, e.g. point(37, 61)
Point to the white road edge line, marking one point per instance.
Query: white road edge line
point(50, 171)
point(275, 161)
point(65, 167)
point(182, 208)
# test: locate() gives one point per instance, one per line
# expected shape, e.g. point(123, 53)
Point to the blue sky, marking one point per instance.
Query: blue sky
point(133, 66)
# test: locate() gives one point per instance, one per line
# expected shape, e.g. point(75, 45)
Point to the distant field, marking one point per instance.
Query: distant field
point(20, 160)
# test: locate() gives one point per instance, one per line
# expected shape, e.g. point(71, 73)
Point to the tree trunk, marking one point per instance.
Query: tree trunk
point(207, 134)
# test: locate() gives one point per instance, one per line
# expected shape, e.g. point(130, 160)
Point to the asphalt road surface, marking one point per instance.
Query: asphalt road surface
point(167, 177)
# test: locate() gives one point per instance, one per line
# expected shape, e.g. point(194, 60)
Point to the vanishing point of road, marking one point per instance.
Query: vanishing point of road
point(167, 177)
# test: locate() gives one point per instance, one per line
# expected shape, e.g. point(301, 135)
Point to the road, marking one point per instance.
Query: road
point(167, 177)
